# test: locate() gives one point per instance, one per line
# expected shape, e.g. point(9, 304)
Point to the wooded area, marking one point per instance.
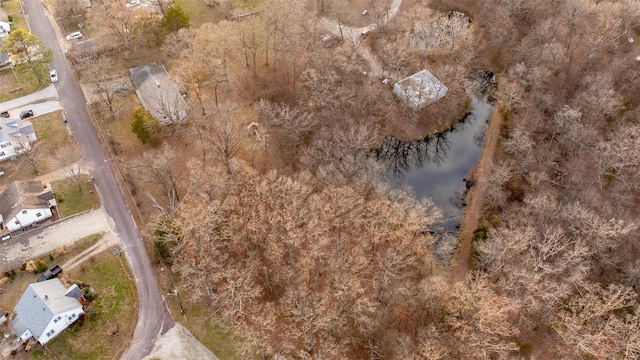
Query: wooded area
point(275, 214)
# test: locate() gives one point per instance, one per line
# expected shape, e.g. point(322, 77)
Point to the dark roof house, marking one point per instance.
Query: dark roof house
point(158, 94)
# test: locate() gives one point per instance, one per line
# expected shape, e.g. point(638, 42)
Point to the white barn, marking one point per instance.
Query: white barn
point(419, 89)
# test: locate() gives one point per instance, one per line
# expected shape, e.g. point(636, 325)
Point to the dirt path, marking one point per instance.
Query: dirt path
point(354, 35)
point(460, 263)
point(107, 241)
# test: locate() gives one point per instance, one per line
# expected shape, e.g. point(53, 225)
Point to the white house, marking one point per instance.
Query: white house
point(25, 203)
point(419, 89)
point(15, 138)
point(45, 309)
point(5, 29)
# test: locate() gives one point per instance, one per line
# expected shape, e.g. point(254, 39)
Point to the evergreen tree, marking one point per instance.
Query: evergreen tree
point(175, 18)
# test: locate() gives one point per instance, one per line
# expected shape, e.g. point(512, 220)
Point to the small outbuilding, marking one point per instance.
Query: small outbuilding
point(420, 89)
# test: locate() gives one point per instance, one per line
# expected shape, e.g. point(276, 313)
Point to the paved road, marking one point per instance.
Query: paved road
point(153, 315)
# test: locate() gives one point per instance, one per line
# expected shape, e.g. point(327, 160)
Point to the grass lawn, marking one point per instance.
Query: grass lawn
point(21, 81)
point(113, 309)
point(51, 131)
point(13, 8)
point(199, 13)
point(219, 341)
point(71, 200)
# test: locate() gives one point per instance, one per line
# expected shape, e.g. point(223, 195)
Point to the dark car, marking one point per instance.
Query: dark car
point(50, 274)
point(26, 114)
point(4, 114)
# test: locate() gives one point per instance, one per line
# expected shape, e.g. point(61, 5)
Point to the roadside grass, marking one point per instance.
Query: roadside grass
point(110, 320)
point(69, 251)
point(197, 320)
point(21, 81)
point(122, 141)
point(71, 200)
point(51, 131)
point(13, 8)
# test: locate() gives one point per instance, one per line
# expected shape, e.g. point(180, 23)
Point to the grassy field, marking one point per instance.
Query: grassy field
point(71, 200)
point(51, 131)
point(113, 310)
point(21, 81)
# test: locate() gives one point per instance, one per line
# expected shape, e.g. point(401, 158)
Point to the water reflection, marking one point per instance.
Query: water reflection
point(436, 166)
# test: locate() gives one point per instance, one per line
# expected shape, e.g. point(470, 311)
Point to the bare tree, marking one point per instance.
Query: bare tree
point(161, 167)
point(100, 76)
point(32, 154)
point(70, 162)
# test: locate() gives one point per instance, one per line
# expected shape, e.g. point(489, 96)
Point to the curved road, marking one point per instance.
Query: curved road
point(153, 315)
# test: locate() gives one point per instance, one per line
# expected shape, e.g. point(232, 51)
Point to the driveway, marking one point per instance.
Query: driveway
point(41, 102)
point(39, 243)
point(355, 36)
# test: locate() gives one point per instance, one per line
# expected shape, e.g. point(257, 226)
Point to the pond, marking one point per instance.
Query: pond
point(437, 167)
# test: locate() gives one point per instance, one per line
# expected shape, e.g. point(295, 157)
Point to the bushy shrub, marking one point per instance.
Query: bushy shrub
point(41, 266)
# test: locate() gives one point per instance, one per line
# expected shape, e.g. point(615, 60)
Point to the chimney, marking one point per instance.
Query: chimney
point(46, 297)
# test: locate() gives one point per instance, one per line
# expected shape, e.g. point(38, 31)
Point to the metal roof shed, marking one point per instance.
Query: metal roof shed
point(420, 89)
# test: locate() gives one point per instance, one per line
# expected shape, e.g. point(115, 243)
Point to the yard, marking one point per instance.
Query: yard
point(52, 134)
point(20, 81)
point(72, 200)
point(110, 320)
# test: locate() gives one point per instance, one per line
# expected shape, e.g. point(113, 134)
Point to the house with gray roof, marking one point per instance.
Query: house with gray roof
point(25, 203)
point(16, 137)
point(45, 309)
point(419, 89)
point(158, 94)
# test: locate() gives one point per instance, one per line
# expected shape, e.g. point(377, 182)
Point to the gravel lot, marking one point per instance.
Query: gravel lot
point(37, 243)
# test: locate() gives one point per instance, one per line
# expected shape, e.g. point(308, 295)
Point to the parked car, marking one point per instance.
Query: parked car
point(4, 114)
point(74, 35)
point(53, 74)
point(26, 114)
point(50, 274)
point(6, 237)
point(121, 88)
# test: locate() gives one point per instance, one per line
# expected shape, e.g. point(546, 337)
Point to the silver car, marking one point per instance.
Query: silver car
point(74, 35)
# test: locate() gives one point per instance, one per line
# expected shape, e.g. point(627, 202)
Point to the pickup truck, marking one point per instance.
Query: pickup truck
point(50, 274)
